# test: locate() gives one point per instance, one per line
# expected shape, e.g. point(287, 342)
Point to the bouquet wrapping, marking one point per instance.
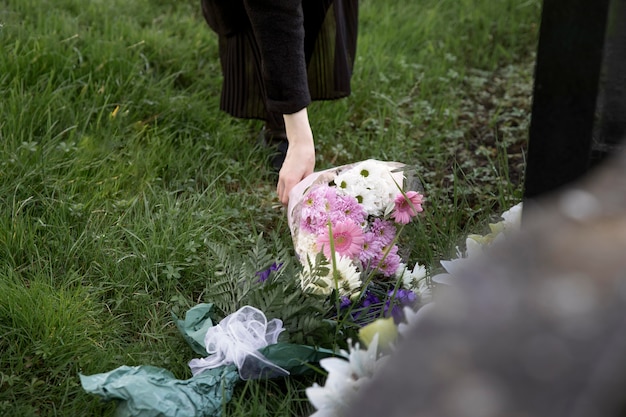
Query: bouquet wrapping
point(345, 224)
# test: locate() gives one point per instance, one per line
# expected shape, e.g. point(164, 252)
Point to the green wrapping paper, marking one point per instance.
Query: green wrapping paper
point(195, 325)
point(148, 391)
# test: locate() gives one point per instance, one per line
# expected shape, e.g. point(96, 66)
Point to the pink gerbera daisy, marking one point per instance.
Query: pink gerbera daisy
point(347, 239)
point(406, 206)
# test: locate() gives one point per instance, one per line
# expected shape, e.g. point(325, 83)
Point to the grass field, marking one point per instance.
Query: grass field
point(117, 170)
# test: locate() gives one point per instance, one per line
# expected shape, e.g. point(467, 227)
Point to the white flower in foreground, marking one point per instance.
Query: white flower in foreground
point(345, 378)
point(454, 267)
point(334, 397)
point(475, 245)
point(412, 317)
point(473, 248)
point(513, 218)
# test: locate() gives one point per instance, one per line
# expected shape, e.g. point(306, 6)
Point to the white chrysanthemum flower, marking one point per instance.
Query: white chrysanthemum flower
point(349, 181)
point(348, 277)
point(355, 187)
point(345, 378)
point(384, 184)
point(424, 290)
point(377, 202)
point(371, 203)
point(402, 269)
point(372, 184)
point(411, 278)
point(306, 245)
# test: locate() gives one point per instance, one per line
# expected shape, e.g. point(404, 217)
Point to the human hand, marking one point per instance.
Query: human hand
point(300, 158)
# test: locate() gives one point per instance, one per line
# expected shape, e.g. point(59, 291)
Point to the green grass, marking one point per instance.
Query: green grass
point(117, 170)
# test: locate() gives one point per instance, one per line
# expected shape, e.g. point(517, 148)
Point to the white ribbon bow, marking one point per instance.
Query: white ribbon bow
point(237, 339)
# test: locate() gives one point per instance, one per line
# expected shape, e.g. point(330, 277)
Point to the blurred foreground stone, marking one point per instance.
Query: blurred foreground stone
point(537, 327)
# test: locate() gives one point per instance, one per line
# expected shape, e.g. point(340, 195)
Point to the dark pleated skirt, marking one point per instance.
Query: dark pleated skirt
point(330, 47)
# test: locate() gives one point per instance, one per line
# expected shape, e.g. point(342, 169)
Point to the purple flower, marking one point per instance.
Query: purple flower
point(347, 207)
point(370, 250)
point(345, 302)
point(366, 308)
point(370, 298)
point(384, 230)
point(265, 274)
point(316, 208)
point(398, 299)
point(391, 262)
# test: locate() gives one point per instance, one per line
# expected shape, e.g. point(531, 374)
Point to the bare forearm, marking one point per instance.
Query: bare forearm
point(300, 158)
point(298, 128)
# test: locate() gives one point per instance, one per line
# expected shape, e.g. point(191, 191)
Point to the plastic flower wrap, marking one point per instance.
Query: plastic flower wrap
point(345, 224)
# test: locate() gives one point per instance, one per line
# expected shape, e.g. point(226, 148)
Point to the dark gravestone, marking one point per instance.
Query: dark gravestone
point(579, 100)
point(610, 129)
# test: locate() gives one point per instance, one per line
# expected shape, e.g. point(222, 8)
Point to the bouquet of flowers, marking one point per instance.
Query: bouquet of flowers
point(345, 224)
